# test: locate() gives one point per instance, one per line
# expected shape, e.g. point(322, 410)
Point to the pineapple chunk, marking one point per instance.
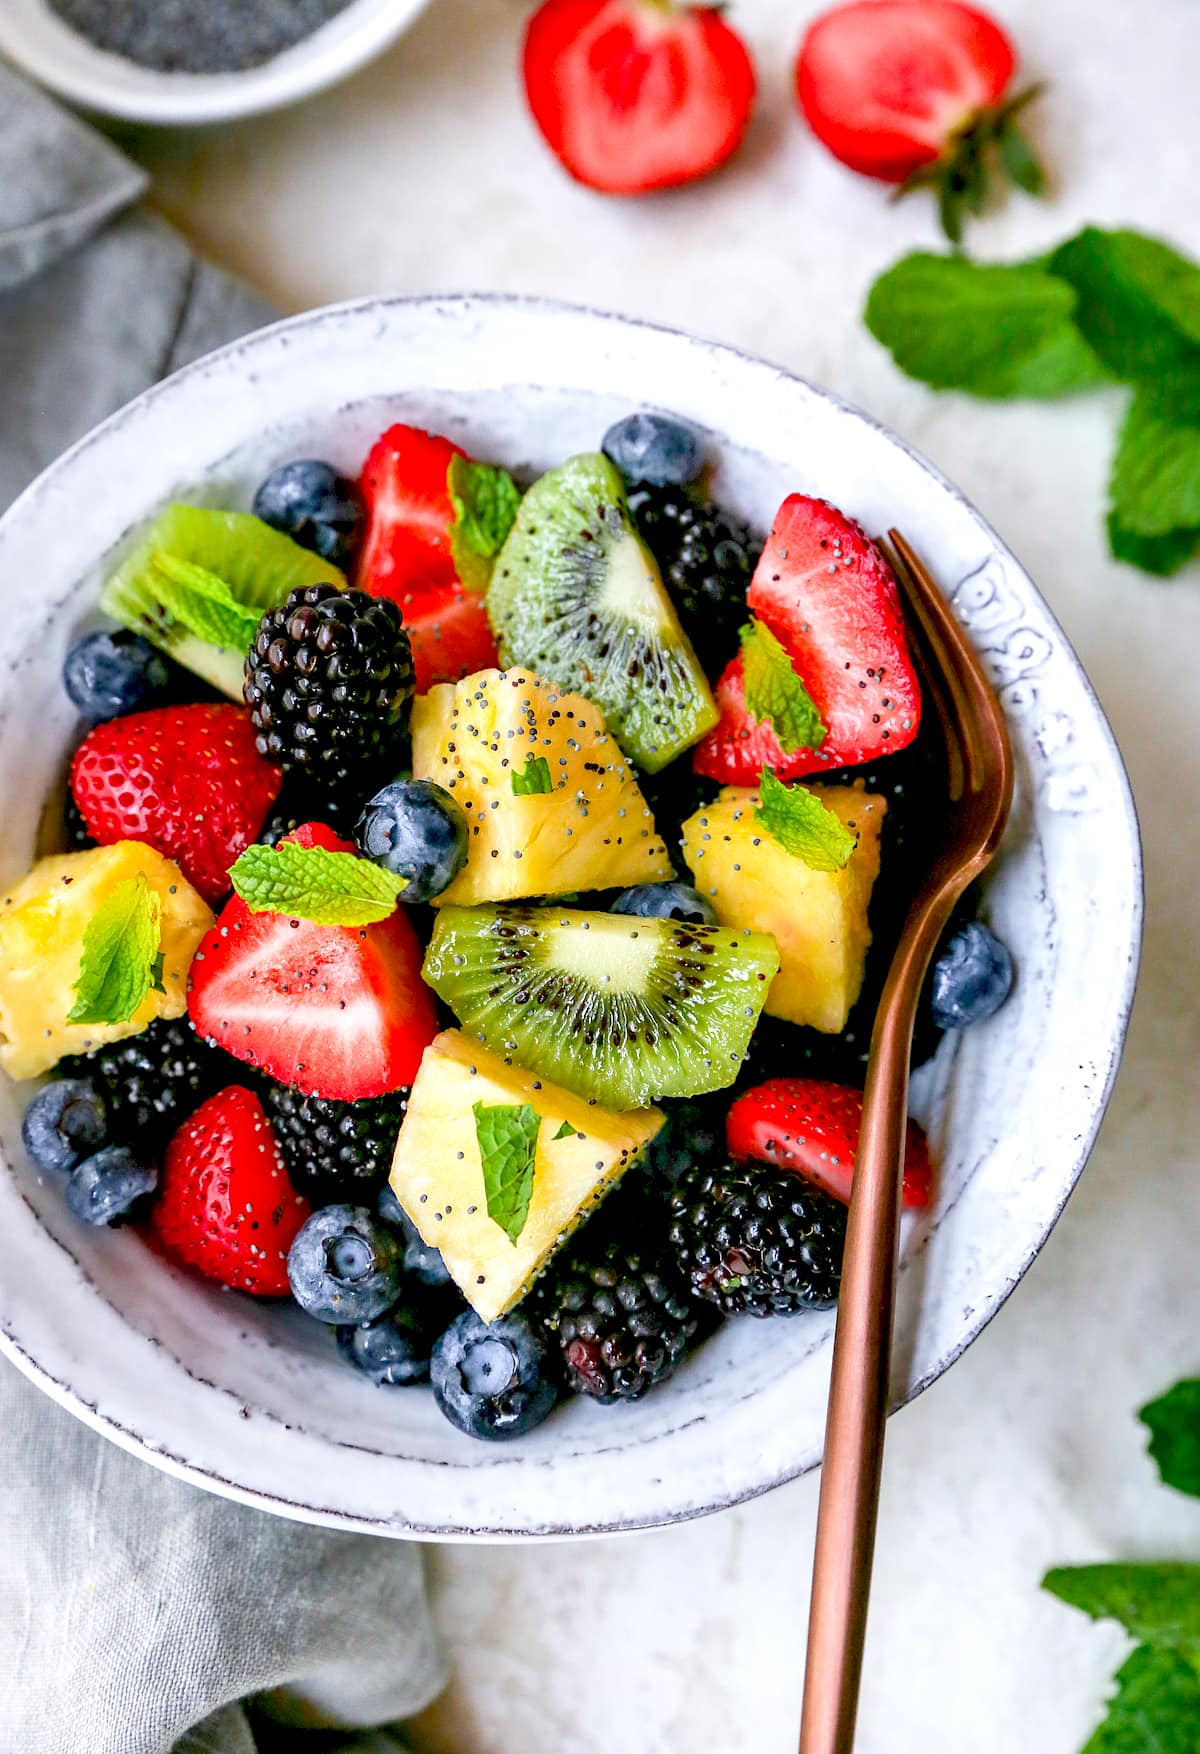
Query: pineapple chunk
point(818, 918)
point(42, 922)
point(437, 1177)
point(593, 830)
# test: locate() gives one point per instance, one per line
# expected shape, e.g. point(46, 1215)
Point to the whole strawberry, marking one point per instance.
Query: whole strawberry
point(225, 1204)
point(811, 1127)
point(633, 95)
point(187, 780)
point(915, 92)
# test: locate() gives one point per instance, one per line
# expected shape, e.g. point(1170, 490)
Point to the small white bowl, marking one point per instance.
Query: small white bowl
point(251, 1400)
point(37, 41)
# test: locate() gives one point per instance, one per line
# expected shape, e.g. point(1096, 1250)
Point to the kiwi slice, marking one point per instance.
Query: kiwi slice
point(199, 582)
point(620, 1009)
point(577, 596)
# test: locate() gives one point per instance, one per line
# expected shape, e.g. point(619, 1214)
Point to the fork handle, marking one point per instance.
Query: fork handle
point(858, 1393)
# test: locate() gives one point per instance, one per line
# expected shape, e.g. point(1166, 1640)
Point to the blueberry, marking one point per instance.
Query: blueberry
point(971, 978)
point(651, 447)
point(110, 1186)
point(665, 901)
point(63, 1124)
point(492, 1379)
point(344, 1266)
point(421, 1262)
point(394, 1350)
point(108, 674)
point(314, 505)
point(415, 829)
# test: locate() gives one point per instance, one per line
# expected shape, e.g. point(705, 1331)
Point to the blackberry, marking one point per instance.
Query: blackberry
point(759, 1239)
point(617, 1309)
point(328, 682)
point(152, 1082)
point(335, 1151)
point(299, 803)
point(707, 559)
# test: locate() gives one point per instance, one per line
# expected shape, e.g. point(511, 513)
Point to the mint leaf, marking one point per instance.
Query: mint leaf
point(1161, 555)
point(566, 1131)
point(775, 694)
point(203, 603)
point(995, 331)
point(1174, 1425)
point(485, 501)
point(1158, 1604)
point(313, 883)
point(802, 825)
point(534, 780)
point(1138, 300)
point(1155, 1710)
point(1154, 487)
point(507, 1134)
point(120, 957)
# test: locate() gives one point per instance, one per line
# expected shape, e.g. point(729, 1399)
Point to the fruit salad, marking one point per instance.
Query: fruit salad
point(471, 905)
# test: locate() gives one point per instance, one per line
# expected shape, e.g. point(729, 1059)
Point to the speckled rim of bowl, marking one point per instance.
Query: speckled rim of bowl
point(41, 45)
point(979, 604)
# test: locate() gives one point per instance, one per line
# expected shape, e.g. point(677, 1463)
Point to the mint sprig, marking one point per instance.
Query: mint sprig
point(507, 1136)
point(533, 779)
point(485, 500)
point(1156, 1706)
point(315, 883)
point(203, 603)
point(1104, 305)
point(775, 695)
point(802, 825)
point(1173, 1422)
point(120, 961)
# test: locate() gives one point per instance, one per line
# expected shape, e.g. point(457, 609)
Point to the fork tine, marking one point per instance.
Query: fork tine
point(931, 672)
point(967, 693)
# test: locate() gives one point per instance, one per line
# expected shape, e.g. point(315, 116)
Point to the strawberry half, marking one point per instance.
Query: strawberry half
point(339, 1011)
point(408, 555)
point(812, 1127)
point(187, 780)
point(225, 1204)
point(632, 95)
point(827, 594)
point(913, 92)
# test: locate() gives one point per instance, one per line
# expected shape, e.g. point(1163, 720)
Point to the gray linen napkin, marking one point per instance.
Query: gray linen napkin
point(137, 1612)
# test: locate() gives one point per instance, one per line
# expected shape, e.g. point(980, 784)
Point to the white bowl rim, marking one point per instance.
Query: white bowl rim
point(981, 1314)
point(89, 78)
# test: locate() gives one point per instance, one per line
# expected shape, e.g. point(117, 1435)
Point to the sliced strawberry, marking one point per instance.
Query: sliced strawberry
point(830, 599)
point(812, 1127)
point(408, 555)
point(339, 1011)
point(633, 95)
point(910, 91)
point(187, 780)
point(225, 1204)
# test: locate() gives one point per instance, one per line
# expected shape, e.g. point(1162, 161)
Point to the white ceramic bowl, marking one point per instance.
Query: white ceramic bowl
point(37, 41)
point(250, 1400)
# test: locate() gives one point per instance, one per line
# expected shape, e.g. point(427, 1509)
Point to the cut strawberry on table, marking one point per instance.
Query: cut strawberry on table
point(913, 92)
point(428, 545)
point(633, 95)
point(186, 780)
point(825, 593)
point(338, 1011)
point(225, 1204)
point(812, 1127)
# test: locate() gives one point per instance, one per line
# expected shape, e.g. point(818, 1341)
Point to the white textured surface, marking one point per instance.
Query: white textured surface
point(423, 173)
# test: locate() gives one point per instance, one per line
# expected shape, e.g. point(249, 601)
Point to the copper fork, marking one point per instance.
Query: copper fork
point(979, 779)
